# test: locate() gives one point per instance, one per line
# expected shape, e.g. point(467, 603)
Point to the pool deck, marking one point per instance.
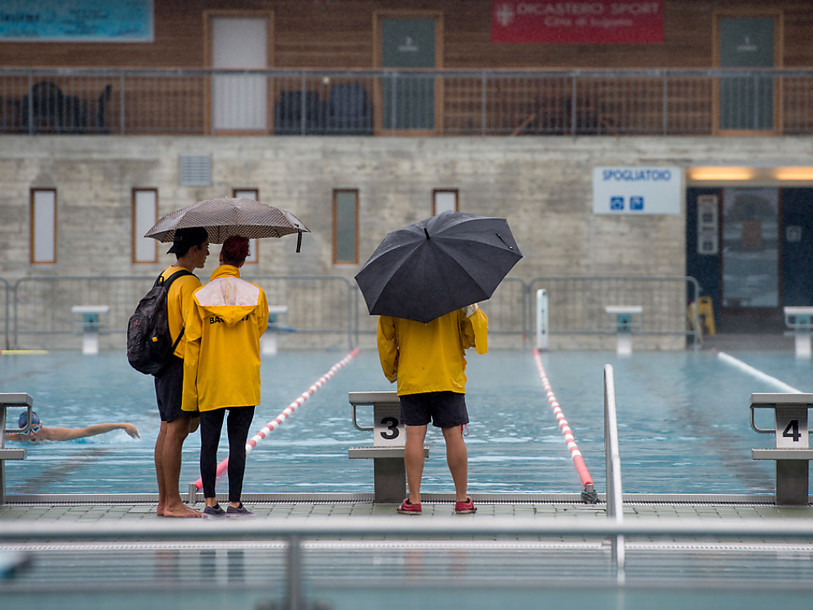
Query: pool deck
point(536, 506)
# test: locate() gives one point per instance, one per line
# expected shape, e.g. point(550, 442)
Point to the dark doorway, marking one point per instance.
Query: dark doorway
point(751, 249)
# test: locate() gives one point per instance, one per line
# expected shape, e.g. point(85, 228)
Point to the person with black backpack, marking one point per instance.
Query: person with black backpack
point(191, 247)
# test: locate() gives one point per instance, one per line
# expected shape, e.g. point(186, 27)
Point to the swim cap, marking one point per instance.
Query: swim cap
point(23, 421)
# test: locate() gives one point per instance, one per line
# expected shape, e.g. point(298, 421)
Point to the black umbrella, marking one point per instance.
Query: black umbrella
point(437, 265)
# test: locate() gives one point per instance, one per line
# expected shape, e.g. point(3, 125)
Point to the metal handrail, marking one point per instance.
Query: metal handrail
point(722, 72)
point(660, 101)
point(297, 530)
point(612, 458)
point(794, 400)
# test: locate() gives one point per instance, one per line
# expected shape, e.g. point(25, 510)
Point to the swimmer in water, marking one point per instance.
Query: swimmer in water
point(37, 432)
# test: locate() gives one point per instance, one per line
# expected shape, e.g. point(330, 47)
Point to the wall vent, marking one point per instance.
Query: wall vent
point(195, 170)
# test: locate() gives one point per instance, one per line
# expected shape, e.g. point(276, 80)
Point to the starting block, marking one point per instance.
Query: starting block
point(624, 318)
point(798, 319)
point(90, 325)
point(792, 452)
point(11, 400)
point(269, 337)
point(389, 439)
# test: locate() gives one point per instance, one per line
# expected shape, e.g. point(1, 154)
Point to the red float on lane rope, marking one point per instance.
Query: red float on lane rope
point(589, 494)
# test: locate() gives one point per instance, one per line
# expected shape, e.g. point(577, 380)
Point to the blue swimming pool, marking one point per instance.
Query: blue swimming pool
point(398, 597)
point(683, 423)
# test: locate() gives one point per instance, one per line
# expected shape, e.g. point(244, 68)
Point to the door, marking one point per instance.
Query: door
point(747, 103)
point(239, 101)
point(408, 102)
point(750, 247)
point(797, 246)
point(762, 259)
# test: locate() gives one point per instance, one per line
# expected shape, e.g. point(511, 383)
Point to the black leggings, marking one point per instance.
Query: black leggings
point(211, 423)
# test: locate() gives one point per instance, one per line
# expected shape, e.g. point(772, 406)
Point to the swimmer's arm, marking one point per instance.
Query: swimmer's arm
point(16, 436)
point(68, 434)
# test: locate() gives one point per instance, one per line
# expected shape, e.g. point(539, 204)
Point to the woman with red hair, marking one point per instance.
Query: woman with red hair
point(222, 369)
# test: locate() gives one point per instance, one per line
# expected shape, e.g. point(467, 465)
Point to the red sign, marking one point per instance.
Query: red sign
point(578, 21)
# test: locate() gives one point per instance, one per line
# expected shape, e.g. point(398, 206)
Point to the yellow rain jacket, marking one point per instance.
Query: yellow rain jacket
point(431, 357)
point(179, 298)
point(223, 329)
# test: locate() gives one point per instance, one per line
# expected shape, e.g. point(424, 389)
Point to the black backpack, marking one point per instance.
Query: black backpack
point(149, 344)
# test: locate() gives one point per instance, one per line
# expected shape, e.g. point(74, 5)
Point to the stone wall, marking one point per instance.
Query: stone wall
point(543, 185)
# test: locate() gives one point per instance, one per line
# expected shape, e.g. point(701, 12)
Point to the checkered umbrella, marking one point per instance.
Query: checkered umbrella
point(229, 216)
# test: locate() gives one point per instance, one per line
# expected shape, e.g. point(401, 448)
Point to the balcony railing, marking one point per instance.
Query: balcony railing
point(420, 102)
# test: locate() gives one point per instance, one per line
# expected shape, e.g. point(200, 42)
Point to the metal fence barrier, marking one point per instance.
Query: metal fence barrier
point(676, 102)
point(320, 308)
point(5, 318)
point(576, 304)
point(329, 312)
point(41, 310)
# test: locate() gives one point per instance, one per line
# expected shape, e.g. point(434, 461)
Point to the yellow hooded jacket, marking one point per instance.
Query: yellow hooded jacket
point(430, 357)
point(223, 329)
point(179, 298)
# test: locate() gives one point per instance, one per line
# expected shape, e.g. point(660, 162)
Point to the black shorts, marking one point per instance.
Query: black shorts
point(169, 390)
point(443, 409)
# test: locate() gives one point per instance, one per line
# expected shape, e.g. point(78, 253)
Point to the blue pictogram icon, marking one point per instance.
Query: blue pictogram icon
point(616, 203)
point(636, 203)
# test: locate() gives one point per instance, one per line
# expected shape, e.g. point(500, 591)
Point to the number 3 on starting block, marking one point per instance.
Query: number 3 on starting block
point(387, 429)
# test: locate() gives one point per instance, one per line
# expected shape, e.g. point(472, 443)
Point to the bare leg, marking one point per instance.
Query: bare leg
point(413, 461)
point(176, 432)
point(159, 468)
point(457, 458)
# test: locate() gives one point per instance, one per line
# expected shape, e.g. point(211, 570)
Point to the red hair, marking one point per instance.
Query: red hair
point(235, 249)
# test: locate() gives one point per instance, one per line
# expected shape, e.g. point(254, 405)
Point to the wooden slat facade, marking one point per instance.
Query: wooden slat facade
point(341, 34)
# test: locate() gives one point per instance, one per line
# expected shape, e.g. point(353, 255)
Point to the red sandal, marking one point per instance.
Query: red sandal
point(407, 508)
point(464, 508)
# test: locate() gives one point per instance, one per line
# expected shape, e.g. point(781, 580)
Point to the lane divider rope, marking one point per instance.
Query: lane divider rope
point(757, 373)
point(286, 412)
point(589, 493)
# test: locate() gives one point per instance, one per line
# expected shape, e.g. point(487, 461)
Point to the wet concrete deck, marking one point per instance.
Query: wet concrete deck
point(553, 507)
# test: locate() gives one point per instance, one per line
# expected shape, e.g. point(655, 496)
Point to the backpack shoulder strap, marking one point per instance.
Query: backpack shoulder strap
point(168, 282)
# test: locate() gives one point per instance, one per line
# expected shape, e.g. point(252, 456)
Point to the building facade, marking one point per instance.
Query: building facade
point(446, 104)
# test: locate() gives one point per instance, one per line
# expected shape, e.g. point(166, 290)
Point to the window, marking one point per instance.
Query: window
point(145, 213)
point(345, 226)
point(444, 199)
point(43, 225)
point(254, 244)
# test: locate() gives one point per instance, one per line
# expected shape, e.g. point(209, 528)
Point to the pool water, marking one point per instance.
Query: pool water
point(683, 424)
point(396, 597)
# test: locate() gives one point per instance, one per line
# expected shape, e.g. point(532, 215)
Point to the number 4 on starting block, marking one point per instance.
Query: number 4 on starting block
point(791, 428)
